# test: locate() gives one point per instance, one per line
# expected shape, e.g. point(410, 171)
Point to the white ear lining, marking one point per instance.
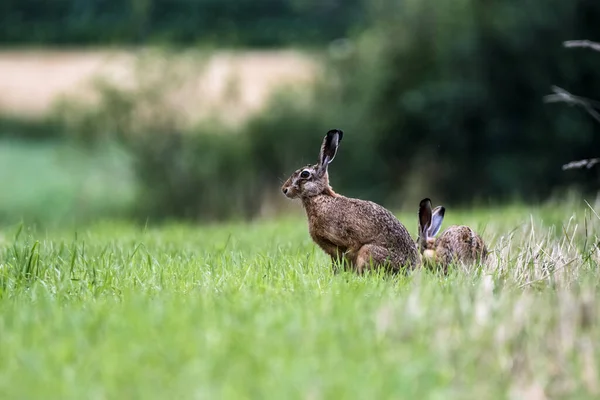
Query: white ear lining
point(437, 217)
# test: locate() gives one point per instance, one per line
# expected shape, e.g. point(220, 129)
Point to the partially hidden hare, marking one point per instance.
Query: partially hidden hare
point(457, 244)
point(358, 232)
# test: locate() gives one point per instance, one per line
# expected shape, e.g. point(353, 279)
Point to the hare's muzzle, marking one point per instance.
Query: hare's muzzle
point(288, 191)
point(429, 254)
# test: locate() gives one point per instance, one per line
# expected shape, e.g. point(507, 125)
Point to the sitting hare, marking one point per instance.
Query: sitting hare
point(457, 244)
point(359, 232)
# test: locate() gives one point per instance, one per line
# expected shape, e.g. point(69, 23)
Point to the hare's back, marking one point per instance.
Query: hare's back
point(460, 243)
point(377, 221)
point(355, 222)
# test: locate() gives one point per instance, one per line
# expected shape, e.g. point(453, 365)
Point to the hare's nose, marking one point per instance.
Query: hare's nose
point(284, 190)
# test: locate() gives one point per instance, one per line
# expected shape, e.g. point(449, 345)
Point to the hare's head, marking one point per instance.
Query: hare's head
point(313, 180)
point(430, 222)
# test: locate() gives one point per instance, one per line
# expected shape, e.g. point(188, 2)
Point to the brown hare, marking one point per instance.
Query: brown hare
point(457, 244)
point(357, 232)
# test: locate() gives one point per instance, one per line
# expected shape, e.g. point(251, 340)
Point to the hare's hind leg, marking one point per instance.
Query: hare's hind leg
point(370, 255)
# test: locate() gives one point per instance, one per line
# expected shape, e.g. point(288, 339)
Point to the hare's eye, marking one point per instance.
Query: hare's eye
point(304, 174)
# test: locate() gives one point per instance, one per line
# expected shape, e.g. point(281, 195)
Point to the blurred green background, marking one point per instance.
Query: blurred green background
point(199, 109)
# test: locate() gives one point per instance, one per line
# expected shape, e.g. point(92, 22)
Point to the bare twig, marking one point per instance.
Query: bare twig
point(589, 105)
point(582, 43)
point(589, 163)
point(561, 95)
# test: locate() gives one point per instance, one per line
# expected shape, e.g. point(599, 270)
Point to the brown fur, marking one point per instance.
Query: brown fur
point(359, 232)
point(457, 244)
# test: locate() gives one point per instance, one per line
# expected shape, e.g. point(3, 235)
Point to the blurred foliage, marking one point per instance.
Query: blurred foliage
point(13, 127)
point(445, 100)
point(183, 22)
point(437, 99)
point(202, 176)
point(203, 173)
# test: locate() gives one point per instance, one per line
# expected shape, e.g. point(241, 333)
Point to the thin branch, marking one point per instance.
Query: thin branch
point(561, 95)
point(589, 163)
point(582, 43)
point(591, 106)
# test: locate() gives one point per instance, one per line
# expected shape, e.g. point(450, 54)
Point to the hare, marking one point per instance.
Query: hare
point(457, 244)
point(359, 232)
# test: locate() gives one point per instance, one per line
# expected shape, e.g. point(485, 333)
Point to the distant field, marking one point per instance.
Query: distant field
point(234, 84)
point(253, 311)
point(55, 183)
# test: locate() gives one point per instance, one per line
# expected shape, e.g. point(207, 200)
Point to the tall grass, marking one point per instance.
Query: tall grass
point(253, 310)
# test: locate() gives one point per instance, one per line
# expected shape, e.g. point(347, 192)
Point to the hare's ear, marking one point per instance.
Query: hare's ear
point(424, 217)
point(329, 148)
point(437, 216)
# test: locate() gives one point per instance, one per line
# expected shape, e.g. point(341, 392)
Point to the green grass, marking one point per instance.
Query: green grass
point(253, 311)
point(54, 183)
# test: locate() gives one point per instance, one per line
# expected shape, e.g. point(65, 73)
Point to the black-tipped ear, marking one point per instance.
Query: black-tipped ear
point(329, 147)
point(424, 217)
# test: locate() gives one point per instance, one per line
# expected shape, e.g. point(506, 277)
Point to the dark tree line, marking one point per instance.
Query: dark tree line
point(177, 22)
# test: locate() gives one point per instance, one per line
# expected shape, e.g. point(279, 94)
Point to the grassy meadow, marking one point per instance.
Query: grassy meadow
point(93, 306)
point(252, 310)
